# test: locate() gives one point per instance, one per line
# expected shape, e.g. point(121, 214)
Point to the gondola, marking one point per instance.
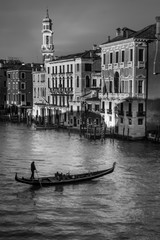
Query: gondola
point(65, 178)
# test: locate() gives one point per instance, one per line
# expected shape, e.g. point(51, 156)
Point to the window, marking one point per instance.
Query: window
point(71, 67)
point(23, 97)
point(47, 39)
point(78, 109)
point(129, 107)
point(77, 67)
point(140, 121)
point(94, 82)
point(117, 55)
point(48, 70)
point(23, 75)
point(77, 81)
point(110, 106)
point(140, 107)
point(121, 107)
point(87, 82)
point(67, 81)
point(122, 59)
point(140, 83)
point(89, 107)
point(111, 58)
point(60, 70)
point(130, 86)
point(97, 107)
point(88, 67)
point(5, 83)
point(34, 93)
point(121, 119)
point(131, 55)
point(141, 55)
point(130, 121)
point(23, 86)
point(122, 86)
point(52, 70)
point(110, 86)
point(71, 82)
point(104, 59)
point(67, 68)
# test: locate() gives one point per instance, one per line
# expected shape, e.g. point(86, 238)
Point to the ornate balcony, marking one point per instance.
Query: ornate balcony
point(61, 91)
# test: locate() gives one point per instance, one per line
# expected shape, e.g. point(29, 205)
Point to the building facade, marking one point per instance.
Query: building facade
point(19, 90)
point(127, 80)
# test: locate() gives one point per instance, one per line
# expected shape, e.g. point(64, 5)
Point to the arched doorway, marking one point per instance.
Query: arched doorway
point(116, 82)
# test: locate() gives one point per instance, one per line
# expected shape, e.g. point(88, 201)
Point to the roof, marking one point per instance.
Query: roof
point(145, 33)
point(85, 54)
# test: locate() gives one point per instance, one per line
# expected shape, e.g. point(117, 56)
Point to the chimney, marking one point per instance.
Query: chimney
point(156, 64)
point(118, 32)
point(109, 38)
point(94, 46)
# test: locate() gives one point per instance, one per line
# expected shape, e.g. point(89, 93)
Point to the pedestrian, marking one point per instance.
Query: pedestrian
point(33, 168)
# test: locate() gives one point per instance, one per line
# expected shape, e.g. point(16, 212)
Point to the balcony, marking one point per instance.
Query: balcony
point(141, 114)
point(61, 91)
point(121, 64)
point(141, 64)
point(102, 110)
point(129, 64)
point(129, 114)
point(115, 65)
point(109, 111)
point(121, 113)
point(110, 66)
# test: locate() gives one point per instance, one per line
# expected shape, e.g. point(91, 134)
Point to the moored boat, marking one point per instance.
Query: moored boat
point(45, 127)
point(62, 179)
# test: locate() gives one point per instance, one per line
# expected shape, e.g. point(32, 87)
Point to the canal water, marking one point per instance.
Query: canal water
point(122, 205)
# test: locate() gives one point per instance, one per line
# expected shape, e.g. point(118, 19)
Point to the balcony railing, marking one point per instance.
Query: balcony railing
point(102, 110)
point(121, 113)
point(129, 114)
point(141, 114)
point(109, 111)
point(65, 91)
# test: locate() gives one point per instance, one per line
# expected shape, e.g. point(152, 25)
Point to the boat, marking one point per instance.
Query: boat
point(45, 127)
point(63, 179)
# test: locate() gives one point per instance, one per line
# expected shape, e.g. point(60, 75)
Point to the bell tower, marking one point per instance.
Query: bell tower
point(47, 47)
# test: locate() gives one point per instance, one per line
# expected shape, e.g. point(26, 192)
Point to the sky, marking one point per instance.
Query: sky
point(77, 24)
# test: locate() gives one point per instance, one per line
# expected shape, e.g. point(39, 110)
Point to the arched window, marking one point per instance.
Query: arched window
point(116, 82)
point(87, 82)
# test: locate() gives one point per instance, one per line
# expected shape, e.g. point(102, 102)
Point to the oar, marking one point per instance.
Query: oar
point(38, 178)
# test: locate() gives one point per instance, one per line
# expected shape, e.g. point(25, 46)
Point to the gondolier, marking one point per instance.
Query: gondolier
point(33, 168)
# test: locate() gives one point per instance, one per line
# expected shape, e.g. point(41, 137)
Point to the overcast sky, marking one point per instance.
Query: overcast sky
point(77, 24)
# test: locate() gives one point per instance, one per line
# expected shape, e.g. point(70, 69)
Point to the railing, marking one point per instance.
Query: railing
point(121, 113)
point(109, 111)
point(141, 114)
point(129, 114)
point(57, 91)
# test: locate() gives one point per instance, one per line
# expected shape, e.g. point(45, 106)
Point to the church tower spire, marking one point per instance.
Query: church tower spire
point(47, 48)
